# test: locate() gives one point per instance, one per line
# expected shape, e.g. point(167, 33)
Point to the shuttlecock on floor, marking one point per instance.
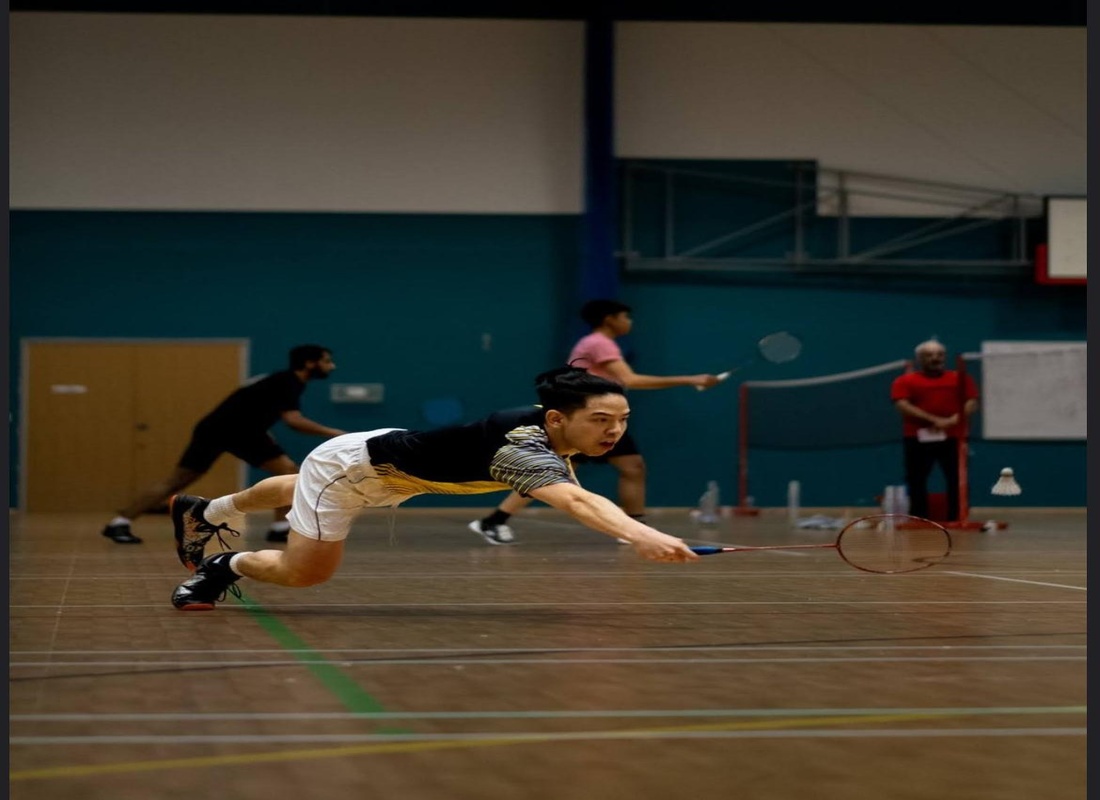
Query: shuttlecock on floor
point(1006, 484)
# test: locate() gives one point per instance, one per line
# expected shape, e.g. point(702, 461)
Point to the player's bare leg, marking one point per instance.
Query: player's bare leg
point(304, 562)
point(632, 476)
point(280, 528)
point(118, 529)
point(274, 492)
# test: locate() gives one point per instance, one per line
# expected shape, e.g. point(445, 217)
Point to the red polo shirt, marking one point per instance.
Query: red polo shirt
point(938, 394)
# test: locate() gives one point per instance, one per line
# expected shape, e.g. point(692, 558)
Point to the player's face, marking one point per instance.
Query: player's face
point(621, 323)
point(596, 428)
point(933, 359)
point(322, 368)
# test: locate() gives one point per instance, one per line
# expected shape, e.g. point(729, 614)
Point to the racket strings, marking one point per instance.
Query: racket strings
point(780, 347)
point(893, 544)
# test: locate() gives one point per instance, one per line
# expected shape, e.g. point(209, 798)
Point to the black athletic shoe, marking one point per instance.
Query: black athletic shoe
point(493, 534)
point(276, 536)
point(121, 534)
point(207, 586)
point(192, 530)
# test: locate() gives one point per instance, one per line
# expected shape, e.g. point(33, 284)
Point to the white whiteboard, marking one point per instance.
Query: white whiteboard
point(1034, 390)
point(1067, 237)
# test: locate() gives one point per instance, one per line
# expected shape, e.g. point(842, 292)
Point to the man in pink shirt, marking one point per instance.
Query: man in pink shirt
point(599, 354)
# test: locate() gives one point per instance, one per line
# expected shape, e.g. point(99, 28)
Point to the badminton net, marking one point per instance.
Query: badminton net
point(821, 417)
point(844, 433)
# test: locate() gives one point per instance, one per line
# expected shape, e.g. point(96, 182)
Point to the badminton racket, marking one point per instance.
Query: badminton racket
point(885, 543)
point(777, 348)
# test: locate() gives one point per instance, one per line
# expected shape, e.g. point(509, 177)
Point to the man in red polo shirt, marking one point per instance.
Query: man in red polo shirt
point(933, 405)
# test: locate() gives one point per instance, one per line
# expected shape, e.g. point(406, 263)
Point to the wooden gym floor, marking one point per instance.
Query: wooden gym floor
point(435, 666)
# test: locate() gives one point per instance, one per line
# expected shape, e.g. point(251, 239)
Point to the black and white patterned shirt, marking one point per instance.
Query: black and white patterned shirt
point(506, 450)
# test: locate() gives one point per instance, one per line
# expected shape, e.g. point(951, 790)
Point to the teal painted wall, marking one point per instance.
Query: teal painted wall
point(404, 300)
point(690, 437)
point(695, 323)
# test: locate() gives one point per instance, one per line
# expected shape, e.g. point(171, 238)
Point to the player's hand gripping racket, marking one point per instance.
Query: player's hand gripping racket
point(778, 348)
point(885, 543)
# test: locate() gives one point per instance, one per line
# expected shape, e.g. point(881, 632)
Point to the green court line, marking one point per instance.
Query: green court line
point(346, 690)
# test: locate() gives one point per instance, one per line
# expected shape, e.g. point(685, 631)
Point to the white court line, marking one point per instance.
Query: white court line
point(545, 737)
point(1015, 580)
point(447, 662)
point(596, 604)
point(771, 713)
point(502, 651)
point(709, 574)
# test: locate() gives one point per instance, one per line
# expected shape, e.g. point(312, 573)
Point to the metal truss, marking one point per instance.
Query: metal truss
point(936, 210)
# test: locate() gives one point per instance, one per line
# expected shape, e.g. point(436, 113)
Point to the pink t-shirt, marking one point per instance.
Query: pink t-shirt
point(593, 351)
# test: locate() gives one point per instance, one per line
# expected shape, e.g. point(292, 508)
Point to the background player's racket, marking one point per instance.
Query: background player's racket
point(885, 543)
point(778, 348)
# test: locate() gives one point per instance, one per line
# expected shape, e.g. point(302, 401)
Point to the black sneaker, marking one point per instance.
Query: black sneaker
point(276, 536)
point(191, 530)
point(121, 534)
point(493, 534)
point(207, 586)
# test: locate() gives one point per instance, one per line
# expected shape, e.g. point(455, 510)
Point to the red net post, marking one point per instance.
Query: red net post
point(963, 522)
point(964, 447)
point(744, 507)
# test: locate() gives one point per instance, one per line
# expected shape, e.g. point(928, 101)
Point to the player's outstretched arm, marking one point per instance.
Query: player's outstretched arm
point(602, 515)
point(623, 374)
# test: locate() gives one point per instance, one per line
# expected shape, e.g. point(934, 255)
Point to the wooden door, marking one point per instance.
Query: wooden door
point(105, 419)
point(176, 384)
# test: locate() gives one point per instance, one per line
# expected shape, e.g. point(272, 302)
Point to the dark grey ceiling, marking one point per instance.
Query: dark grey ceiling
point(923, 12)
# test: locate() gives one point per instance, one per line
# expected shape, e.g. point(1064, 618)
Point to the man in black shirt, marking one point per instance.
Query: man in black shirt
point(239, 425)
point(526, 449)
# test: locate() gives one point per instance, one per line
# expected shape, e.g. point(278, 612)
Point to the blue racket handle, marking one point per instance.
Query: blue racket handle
point(706, 551)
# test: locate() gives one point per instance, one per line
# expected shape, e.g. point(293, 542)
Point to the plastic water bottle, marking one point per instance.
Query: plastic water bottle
point(794, 492)
point(708, 504)
point(901, 499)
point(890, 500)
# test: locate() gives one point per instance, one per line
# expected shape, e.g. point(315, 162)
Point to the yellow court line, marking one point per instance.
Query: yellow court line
point(419, 747)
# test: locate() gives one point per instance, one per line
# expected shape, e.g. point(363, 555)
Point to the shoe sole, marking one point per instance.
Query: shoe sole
point(124, 540)
point(197, 607)
point(179, 541)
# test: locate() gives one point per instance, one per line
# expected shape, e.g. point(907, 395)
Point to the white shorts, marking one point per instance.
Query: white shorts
point(335, 483)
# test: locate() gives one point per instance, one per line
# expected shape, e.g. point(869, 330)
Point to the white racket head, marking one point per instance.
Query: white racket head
point(780, 347)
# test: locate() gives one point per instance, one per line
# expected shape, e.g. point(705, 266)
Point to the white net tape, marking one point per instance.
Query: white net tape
point(798, 383)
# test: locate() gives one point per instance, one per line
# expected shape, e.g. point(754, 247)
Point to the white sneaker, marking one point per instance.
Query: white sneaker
point(501, 534)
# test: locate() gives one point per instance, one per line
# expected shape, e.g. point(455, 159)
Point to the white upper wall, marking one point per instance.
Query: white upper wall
point(182, 112)
point(361, 114)
point(996, 107)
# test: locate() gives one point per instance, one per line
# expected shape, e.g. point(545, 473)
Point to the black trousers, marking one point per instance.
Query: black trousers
point(920, 457)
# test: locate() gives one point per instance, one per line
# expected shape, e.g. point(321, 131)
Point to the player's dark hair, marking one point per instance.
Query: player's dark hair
point(594, 312)
point(304, 353)
point(567, 389)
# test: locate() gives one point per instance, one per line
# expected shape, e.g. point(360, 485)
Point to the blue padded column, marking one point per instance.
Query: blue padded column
point(599, 273)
